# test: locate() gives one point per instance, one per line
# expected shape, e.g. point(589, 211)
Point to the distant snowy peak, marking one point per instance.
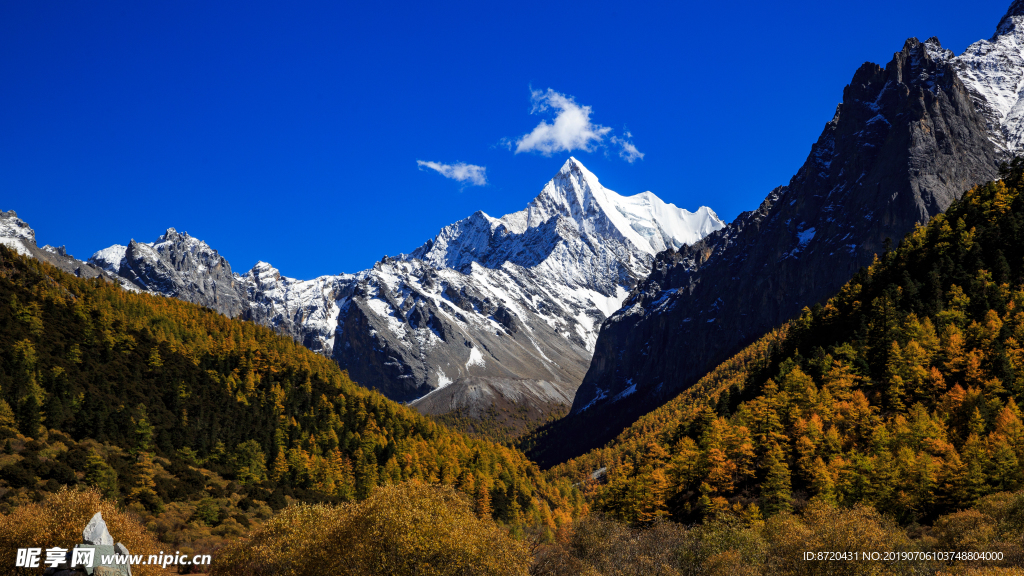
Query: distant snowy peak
point(1011, 18)
point(15, 228)
point(263, 273)
point(306, 310)
point(572, 203)
point(663, 225)
point(993, 72)
point(644, 220)
point(176, 265)
point(180, 245)
point(15, 233)
point(519, 297)
point(109, 258)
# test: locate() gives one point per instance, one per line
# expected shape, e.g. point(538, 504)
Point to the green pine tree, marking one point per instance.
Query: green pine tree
point(776, 492)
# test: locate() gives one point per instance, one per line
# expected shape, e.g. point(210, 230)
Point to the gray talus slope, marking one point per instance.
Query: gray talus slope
point(501, 408)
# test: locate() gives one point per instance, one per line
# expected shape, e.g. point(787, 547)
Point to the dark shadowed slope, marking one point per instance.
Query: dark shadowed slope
point(905, 142)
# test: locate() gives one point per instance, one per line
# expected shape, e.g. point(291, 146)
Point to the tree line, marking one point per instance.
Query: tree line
point(171, 388)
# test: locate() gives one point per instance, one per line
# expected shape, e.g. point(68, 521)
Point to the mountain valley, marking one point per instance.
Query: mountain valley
point(493, 315)
point(601, 384)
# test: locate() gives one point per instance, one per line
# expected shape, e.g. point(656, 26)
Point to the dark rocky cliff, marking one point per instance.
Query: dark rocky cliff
point(183, 267)
point(904, 143)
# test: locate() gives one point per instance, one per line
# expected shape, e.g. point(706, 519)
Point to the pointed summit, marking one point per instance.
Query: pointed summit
point(572, 204)
point(574, 166)
point(263, 274)
point(15, 228)
point(644, 220)
point(261, 268)
point(1008, 21)
point(170, 234)
point(530, 288)
point(570, 164)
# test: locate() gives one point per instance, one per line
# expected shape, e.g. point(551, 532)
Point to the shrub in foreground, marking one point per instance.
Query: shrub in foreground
point(731, 545)
point(598, 545)
point(409, 528)
point(58, 520)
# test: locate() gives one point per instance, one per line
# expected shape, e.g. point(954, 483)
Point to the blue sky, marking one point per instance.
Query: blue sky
point(291, 132)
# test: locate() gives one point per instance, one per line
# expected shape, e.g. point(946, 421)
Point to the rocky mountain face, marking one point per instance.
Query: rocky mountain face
point(19, 236)
point(179, 266)
point(306, 310)
point(493, 310)
point(905, 142)
point(515, 298)
point(993, 72)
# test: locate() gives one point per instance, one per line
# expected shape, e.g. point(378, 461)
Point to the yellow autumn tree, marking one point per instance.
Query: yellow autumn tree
point(406, 529)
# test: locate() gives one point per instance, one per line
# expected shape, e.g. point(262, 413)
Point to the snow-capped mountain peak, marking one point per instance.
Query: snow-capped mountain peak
point(109, 258)
point(262, 272)
point(993, 72)
point(515, 298)
point(1011, 19)
point(14, 232)
point(15, 228)
point(572, 203)
point(665, 225)
point(643, 219)
point(542, 280)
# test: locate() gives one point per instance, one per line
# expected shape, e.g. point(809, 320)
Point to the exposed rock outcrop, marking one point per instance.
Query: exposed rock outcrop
point(89, 557)
point(179, 266)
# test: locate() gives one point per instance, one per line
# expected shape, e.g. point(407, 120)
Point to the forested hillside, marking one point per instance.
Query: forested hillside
point(902, 392)
point(156, 401)
point(887, 418)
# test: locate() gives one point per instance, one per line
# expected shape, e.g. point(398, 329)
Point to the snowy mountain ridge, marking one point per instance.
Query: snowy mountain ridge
point(14, 233)
point(523, 296)
point(509, 306)
point(176, 265)
point(993, 72)
point(575, 193)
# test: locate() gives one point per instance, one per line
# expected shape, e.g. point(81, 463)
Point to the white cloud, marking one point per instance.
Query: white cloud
point(474, 175)
point(629, 153)
point(571, 129)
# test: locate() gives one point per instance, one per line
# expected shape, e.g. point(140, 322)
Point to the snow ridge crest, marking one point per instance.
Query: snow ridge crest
point(575, 203)
point(516, 298)
point(993, 72)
